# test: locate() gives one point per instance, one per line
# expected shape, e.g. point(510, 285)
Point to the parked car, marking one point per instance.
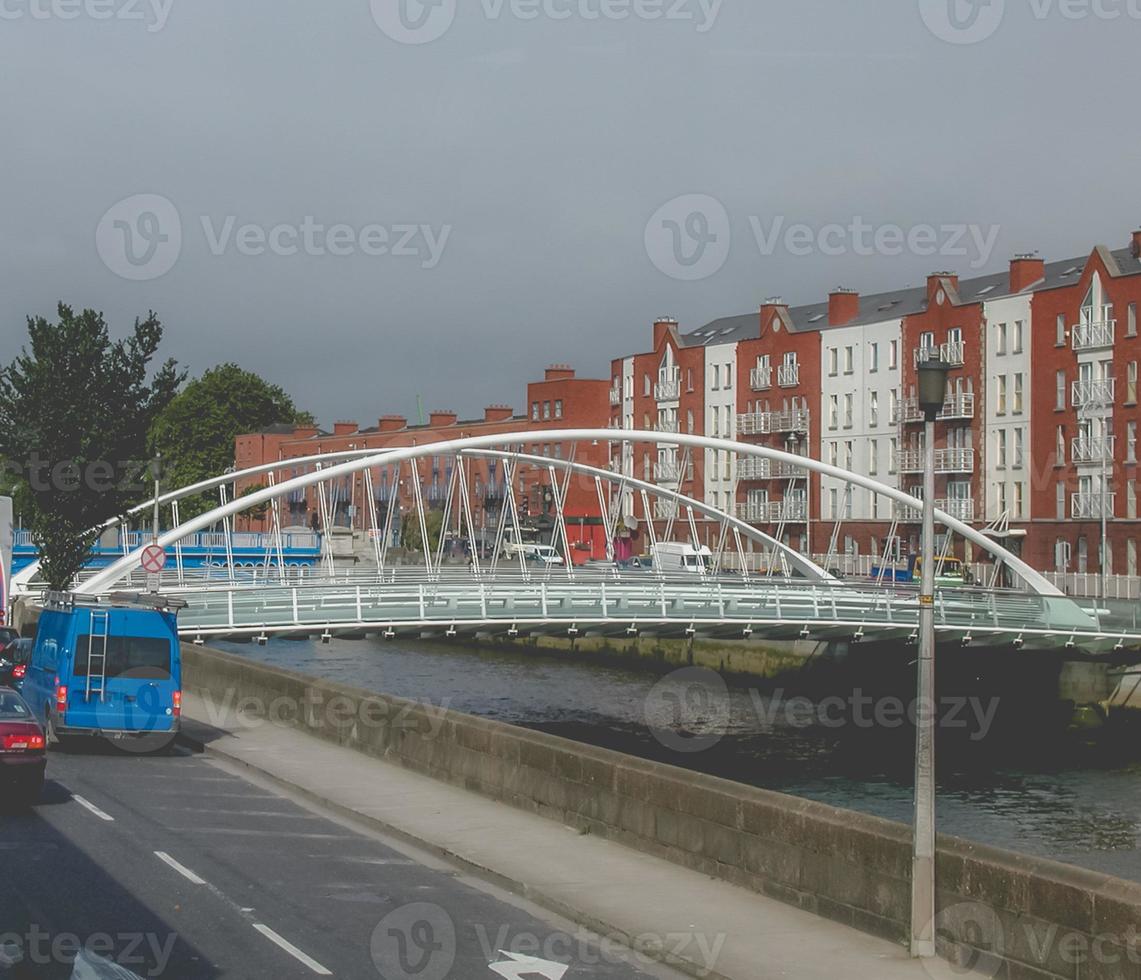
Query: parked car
point(23, 750)
point(14, 660)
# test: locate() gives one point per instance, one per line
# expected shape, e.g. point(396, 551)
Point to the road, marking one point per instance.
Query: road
point(180, 867)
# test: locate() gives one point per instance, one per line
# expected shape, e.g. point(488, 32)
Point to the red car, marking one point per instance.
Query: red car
point(23, 750)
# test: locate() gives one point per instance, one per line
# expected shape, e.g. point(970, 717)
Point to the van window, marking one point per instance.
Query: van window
point(142, 657)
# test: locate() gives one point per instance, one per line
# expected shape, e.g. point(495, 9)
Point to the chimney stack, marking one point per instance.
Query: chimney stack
point(1135, 246)
point(344, 428)
point(935, 282)
point(1025, 270)
point(559, 372)
point(392, 423)
point(773, 310)
point(663, 325)
point(440, 419)
point(498, 413)
point(843, 306)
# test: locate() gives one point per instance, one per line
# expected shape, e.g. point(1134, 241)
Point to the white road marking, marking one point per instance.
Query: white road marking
point(88, 805)
point(180, 868)
point(292, 950)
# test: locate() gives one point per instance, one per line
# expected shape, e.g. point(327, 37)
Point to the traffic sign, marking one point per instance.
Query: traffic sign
point(153, 559)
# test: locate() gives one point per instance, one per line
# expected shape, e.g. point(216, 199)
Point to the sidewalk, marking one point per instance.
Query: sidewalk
point(603, 886)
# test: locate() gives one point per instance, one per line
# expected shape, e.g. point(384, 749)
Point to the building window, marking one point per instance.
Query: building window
point(535, 411)
point(833, 361)
point(1131, 557)
point(892, 454)
point(1000, 397)
point(1019, 448)
point(1131, 383)
point(1060, 446)
point(893, 355)
point(873, 358)
point(849, 455)
point(689, 379)
point(873, 408)
point(1019, 500)
point(1060, 501)
point(1001, 348)
point(1000, 449)
point(689, 421)
point(1018, 392)
point(1017, 344)
point(1060, 331)
point(546, 410)
point(834, 453)
point(558, 408)
point(833, 411)
point(1131, 443)
point(1131, 499)
point(1060, 391)
point(1131, 323)
point(848, 402)
point(849, 360)
point(873, 462)
point(715, 384)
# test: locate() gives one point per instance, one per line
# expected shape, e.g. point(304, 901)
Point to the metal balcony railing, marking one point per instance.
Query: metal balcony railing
point(1093, 393)
point(667, 425)
point(1092, 449)
point(665, 510)
point(953, 352)
point(1093, 336)
point(615, 397)
point(788, 375)
point(668, 388)
point(767, 423)
point(957, 507)
point(1090, 506)
point(666, 471)
point(946, 461)
point(754, 468)
point(753, 511)
point(788, 510)
point(959, 406)
point(761, 379)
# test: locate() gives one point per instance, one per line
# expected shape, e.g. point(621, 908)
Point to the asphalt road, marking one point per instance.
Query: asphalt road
point(176, 866)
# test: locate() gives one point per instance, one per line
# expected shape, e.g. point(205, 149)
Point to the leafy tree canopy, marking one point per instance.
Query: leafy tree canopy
point(75, 410)
point(195, 433)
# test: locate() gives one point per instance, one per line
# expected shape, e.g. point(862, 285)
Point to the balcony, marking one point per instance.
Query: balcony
point(754, 468)
point(907, 410)
point(793, 511)
point(953, 352)
point(1093, 394)
point(768, 423)
point(761, 379)
point(1091, 506)
point(615, 396)
point(957, 507)
point(959, 406)
point(668, 388)
point(753, 511)
point(667, 425)
point(1092, 449)
point(788, 375)
point(666, 510)
point(667, 471)
point(946, 461)
point(1093, 336)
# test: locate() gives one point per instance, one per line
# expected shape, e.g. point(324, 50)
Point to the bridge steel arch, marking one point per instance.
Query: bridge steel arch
point(106, 578)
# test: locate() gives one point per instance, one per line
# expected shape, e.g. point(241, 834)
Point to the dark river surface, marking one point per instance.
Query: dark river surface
point(1016, 779)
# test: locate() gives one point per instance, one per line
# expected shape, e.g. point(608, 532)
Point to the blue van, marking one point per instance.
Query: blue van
point(109, 668)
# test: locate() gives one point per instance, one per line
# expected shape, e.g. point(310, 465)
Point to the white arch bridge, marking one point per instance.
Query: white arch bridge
point(752, 585)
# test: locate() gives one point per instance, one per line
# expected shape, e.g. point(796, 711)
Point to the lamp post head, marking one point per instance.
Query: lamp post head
point(932, 386)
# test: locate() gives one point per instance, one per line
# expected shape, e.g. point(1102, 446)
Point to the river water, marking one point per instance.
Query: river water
point(1027, 787)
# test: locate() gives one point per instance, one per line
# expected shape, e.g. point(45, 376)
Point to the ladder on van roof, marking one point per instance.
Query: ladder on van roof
point(97, 640)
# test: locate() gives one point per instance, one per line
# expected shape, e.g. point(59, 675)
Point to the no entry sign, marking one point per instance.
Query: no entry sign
point(153, 559)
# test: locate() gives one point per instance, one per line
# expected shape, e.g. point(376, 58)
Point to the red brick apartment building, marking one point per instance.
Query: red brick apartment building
point(559, 401)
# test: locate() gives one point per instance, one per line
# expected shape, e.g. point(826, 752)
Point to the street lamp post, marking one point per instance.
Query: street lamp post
point(932, 393)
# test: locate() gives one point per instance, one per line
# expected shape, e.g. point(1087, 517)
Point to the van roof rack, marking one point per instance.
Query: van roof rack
point(67, 601)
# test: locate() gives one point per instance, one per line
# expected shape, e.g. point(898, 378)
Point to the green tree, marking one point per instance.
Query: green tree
point(410, 536)
point(195, 433)
point(75, 409)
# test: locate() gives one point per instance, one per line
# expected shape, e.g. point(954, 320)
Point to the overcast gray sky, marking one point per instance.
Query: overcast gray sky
point(531, 145)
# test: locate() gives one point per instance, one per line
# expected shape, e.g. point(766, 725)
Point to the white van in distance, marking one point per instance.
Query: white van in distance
point(675, 556)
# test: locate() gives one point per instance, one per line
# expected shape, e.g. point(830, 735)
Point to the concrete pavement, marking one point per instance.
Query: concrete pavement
point(703, 926)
